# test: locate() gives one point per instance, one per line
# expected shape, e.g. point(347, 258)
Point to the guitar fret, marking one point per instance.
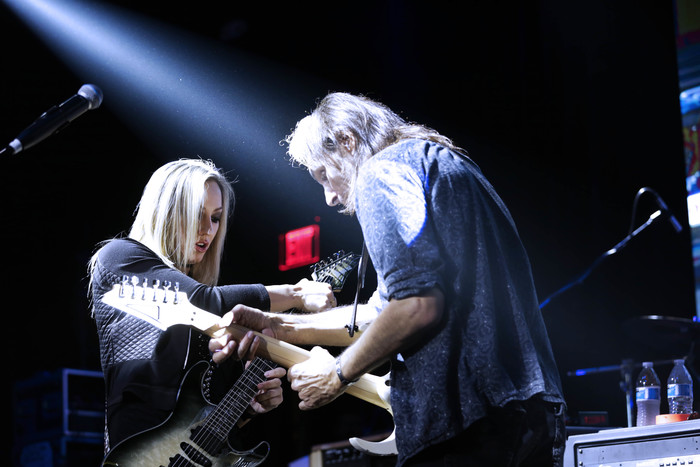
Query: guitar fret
point(236, 401)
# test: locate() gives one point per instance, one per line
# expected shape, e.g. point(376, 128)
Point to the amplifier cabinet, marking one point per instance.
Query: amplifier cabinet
point(671, 444)
point(66, 401)
point(342, 454)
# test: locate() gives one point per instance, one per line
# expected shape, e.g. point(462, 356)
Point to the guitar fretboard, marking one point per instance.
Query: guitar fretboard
point(212, 434)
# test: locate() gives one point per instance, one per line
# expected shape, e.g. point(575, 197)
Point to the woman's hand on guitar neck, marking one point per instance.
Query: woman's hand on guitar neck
point(270, 393)
point(314, 296)
point(307, 296)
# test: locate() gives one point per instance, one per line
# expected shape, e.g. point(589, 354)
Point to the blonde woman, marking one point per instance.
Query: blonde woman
point(177, 237)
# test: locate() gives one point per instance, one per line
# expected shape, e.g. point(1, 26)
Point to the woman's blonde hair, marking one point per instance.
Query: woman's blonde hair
point(322, 137)
point(168, 216)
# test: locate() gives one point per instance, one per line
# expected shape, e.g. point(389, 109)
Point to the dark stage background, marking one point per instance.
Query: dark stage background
point(569, 109)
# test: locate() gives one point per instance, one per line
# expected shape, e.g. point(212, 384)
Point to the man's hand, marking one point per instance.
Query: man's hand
point(316, 380)
point(225, 345)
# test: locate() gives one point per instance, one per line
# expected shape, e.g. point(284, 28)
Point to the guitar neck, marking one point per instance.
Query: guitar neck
point(283, 353)
point(287, 355)
point(227, 413)
point(163, 308)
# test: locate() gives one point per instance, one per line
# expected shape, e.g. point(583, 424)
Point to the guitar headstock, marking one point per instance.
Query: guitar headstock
point(335, 270)
point(162, 305)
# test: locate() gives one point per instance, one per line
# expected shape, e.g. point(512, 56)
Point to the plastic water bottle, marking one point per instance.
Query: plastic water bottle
point(648, 395)
point(679, 389)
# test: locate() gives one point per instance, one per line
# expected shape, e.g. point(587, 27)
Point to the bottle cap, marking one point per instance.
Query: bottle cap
point(671, 418)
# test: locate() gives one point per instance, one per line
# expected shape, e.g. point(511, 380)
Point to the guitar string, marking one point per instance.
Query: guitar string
point(215, 423)
point(222, 419)
point(202, 442)
point(253, 379)
point(206, 439)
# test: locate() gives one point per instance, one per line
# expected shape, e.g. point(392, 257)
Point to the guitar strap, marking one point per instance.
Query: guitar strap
point(361, 270)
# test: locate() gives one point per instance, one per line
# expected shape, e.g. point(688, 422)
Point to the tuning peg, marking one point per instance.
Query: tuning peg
point(156, 284)
point(134, 283)
point(122, 284)
point(166, 286)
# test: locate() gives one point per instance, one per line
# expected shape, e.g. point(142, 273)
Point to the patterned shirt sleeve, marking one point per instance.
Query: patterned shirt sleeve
point(393, 213)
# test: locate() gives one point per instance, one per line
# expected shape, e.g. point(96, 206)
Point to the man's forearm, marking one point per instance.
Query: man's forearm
point(326, 328)
point(402, 324)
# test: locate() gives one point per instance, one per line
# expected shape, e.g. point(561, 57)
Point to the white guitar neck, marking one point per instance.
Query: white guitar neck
point(164, 308)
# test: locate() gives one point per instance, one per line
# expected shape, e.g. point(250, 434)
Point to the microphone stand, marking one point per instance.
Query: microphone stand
point(626, 384)
point(627, 367)
point(598, 260)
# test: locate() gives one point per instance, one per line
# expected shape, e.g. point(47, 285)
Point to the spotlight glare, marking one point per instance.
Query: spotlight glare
point(167, 84)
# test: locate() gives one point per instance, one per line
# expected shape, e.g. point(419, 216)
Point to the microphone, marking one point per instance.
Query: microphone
point(662, 206)
point(56, 118)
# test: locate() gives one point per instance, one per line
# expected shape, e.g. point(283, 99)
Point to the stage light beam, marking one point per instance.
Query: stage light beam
point(171, 87)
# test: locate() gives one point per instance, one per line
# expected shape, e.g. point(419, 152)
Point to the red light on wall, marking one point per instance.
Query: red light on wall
point(299, 247)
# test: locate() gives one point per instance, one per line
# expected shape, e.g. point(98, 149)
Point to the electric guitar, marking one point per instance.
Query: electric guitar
point(196, 433)
point(163, 308)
